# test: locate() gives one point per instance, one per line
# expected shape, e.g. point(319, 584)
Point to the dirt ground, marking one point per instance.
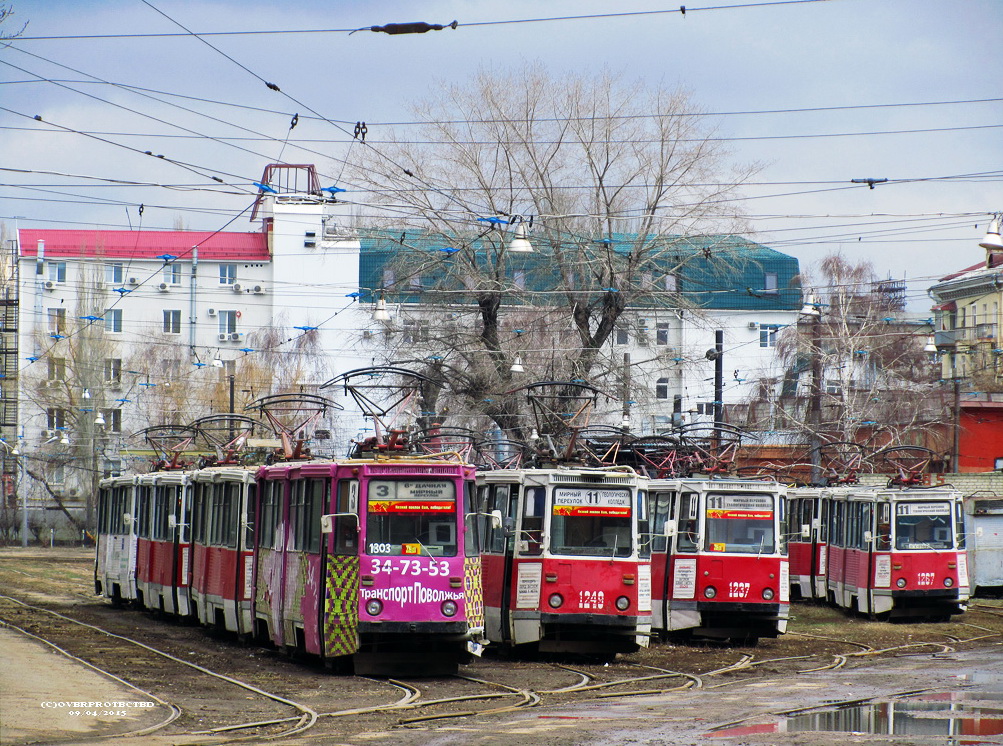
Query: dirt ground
point(495, 700)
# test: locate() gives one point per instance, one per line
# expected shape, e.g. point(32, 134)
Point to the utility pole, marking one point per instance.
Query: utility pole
point(815, 398)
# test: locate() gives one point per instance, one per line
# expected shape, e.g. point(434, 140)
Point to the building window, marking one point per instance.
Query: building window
point(662, 388)
point(389, 277)
point(112, 468)
point(705, 407)
point(770, 282)
point(415, 331)
point(662, 333)
point(642, 333)
point(55, 418)
point(519, 279)
point(113, 320)
point(172, 274)
point(112, 420)
point(112, 370)
point(768, 335)
point(57, 368)
point(57, 271)
point(57, 474)
point(114, 274)
point(227, 322)
point(172, 321)
point(57, 320)
point(671, 283)
point(622, 336)
point(227, 274)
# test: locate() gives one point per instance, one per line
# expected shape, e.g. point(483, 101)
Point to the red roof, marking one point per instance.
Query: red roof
point(145, 244)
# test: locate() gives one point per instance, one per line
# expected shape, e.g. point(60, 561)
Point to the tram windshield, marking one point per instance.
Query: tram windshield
point(411, 517)
point(591, 522)
point(923, 526)
point(741, 523)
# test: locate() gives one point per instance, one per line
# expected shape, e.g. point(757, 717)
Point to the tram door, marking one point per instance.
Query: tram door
point(661, 510)
point(497, 559)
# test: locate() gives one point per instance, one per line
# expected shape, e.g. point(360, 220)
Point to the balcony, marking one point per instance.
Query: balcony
point(985, 331)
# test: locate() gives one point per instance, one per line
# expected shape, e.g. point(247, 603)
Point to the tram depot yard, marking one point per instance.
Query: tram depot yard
point(825, 657)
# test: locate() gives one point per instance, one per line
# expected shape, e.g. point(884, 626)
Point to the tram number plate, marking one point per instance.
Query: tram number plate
point(409, 567)
point(591, 599)
point(925, 578)
point(737, 589)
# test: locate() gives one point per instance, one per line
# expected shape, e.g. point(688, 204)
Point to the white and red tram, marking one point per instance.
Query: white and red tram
point(115, 555)
point(897, 552)
point(719, 558)
point(163, 551)
point(568, 570)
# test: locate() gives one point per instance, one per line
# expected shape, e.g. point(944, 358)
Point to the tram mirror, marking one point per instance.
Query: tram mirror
point(327, 521)
point(127, 519)
point(496, 519)
point(669, 529)
point(868, 537)
point(805, 530)
point(172, 521)
point(508, 523)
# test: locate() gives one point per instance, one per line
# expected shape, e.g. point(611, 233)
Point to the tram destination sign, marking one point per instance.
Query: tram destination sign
point(411, 496)
point(923, 509)
point(758, 507)
point(588, 502)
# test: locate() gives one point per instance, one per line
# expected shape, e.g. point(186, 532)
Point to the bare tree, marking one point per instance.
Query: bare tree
point(609, 175)
point(856, 367)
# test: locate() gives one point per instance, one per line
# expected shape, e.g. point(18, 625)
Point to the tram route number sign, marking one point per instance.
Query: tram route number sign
point(754, 507)
point(923, 509)
point(583, 502)
point(425, 496)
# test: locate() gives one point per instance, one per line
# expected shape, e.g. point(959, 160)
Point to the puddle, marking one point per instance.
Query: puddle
point(933, 715)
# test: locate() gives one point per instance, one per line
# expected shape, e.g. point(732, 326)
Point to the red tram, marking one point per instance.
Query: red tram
point(892, 552)
point(567, 571)
point(163, 551)
point(719, 558)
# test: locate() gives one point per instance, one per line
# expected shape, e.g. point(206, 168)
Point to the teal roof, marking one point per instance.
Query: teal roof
point(718, 272)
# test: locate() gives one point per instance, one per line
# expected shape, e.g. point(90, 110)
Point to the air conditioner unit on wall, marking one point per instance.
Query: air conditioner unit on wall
point(212, 311)
point(133, 280)
point(50, 285)
point(237, 288)
point(753, 324)
point(163, 287)
point(48, 433)
point(224, 337)
point(236, 337)
point(258, 289)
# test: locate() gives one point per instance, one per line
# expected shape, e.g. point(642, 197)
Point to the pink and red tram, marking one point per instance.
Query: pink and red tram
point(117, 540)
point(568, 570)
point(719, 558)
point(163, 547)
point(894, 552)
point(374, 559)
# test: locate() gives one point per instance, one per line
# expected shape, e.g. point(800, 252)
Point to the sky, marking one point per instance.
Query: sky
point(819, 92)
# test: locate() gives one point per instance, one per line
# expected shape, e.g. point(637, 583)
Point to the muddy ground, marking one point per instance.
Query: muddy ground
point(495, 700)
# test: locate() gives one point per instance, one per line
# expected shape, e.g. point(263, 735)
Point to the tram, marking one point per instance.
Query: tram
point(568, 569)
point(117, 540)
point(895, 551)
point(719, 558)
point(371, 558)
point(163, 551)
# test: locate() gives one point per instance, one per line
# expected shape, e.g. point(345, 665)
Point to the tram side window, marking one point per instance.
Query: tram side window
point(883, 534)
point(143, 512)
point(661, 505)
point(346, 526)
point(531, 536)
point(836, 532)
point(249, 512)
point(102, 510)
point(163, 504)
point(120, 507)
point(496, 497)
point(823, 520)
point(306, 507)
point(271, 512)
point(198, 513)
point(959, 524)
point(853, 533)
point(687, 535)
point(643, 524)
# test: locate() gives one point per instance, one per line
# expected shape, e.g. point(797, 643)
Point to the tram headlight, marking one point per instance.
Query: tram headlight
point(710, 591)
point(767, 594)
point(449, 608)
point(623, 603)
point(555, 600)
point(948, 582)
point(900, 582)
point(374, 607)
